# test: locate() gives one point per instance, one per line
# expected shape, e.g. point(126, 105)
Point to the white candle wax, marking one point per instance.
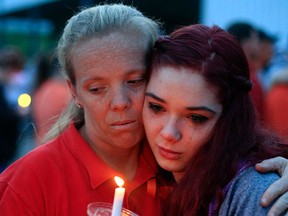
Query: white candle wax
point(118, 201)
point(118, 198)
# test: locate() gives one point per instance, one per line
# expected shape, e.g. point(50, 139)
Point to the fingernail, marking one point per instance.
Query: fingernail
point(264, 201)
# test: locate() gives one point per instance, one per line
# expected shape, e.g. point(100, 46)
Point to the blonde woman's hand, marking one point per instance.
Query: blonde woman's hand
point(279, 189)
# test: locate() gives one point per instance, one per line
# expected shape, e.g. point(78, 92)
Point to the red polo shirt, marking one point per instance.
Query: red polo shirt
point(65, 175)
point(276, 109)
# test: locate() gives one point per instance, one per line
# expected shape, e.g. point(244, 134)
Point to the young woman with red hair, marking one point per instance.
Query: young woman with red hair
point(201, 124)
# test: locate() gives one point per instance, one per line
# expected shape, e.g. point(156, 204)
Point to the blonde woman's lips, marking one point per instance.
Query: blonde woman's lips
point(125, 124)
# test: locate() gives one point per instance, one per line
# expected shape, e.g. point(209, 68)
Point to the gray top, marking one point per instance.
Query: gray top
point(245, 192)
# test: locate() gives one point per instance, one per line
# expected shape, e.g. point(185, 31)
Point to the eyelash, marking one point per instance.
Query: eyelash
point(96, 90)
point(196, 119)
point(136, 82)
point(155, 108)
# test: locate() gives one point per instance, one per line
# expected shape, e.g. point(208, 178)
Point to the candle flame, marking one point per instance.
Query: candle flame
point(119, 181)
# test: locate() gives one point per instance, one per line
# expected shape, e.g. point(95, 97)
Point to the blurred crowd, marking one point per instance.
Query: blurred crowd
point(269, 73)
point(22, 124)
point(42, 80)
point(12, 83)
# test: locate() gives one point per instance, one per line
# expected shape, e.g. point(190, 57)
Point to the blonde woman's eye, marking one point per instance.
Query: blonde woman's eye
point(136, 81)
point(155, 108)
point(95, 90)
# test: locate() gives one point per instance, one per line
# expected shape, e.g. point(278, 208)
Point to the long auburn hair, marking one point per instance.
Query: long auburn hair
point(237, 135)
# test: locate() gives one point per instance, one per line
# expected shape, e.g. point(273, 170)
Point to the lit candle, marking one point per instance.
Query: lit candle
point(118, 197)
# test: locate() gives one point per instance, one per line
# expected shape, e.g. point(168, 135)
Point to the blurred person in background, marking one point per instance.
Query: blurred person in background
point(259, 48)
point(276, 104)
point(50, 96)
point(266, 54)
point(249, 40)
point(11, 66)
point(274, 60)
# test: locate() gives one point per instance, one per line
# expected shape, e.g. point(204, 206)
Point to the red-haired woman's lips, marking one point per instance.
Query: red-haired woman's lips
point(168, 154)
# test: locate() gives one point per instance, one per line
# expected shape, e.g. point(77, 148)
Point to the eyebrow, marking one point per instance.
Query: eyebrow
point(100, 78)
point(192, 108)
point(95, 78)
point(149, 94)
point(201, 108)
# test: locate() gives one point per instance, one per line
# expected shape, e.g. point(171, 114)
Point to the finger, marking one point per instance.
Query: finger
point(280, 206)
point(275, 190)
point(274, 164)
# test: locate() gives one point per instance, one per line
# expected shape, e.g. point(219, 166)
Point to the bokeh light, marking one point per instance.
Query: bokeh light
point(24, 100)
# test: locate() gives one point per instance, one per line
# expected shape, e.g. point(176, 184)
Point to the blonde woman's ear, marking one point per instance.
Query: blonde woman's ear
point(72, 89)
point(78, 104)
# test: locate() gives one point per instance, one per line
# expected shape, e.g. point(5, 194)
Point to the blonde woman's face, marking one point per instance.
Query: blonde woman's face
point(110, 86)
point(179, 113)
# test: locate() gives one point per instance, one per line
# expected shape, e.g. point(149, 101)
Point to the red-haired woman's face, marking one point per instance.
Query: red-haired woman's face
point(179, 113)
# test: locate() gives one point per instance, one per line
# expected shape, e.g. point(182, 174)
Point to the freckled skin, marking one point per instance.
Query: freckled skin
point(110, 87)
